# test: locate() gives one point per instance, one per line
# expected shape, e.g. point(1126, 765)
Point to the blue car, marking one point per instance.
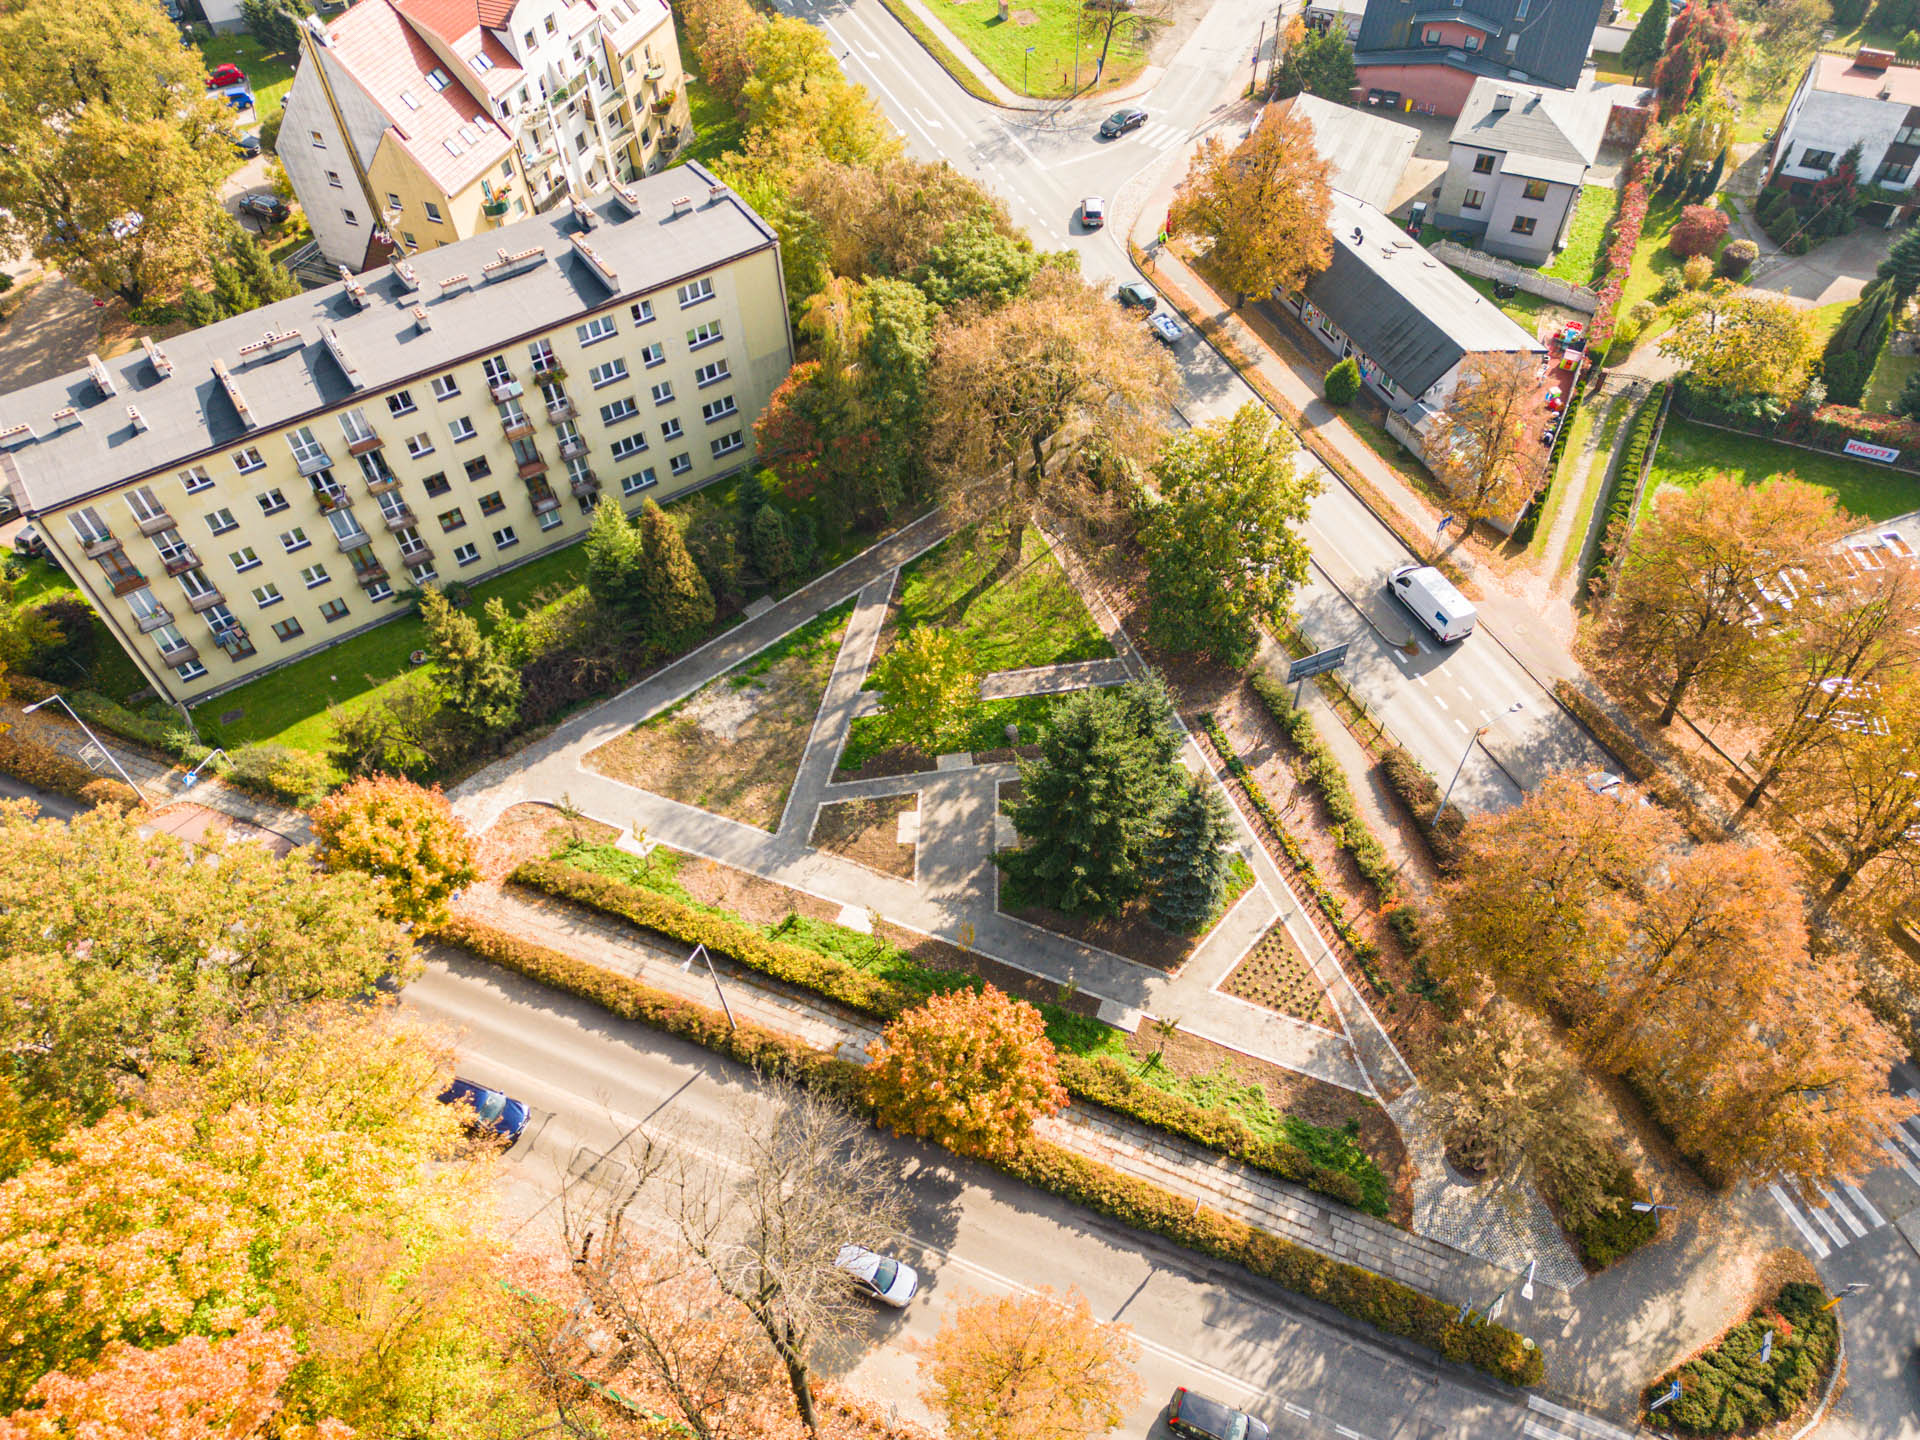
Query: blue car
point(240, 98)
point(494, 1112)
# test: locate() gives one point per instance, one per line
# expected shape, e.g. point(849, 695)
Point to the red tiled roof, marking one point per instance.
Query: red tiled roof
point(1842, 75)
point(451, 20)
point(495, 13)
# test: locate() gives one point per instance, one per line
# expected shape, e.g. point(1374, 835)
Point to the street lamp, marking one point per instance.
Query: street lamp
point(1458, 768)
point(1647, 1207)
point(700, 953)
point(1526, 1287)
point(91, 736)
point(1026, 73)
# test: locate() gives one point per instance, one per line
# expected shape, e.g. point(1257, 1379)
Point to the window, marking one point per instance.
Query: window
point(1534, 190)
point(1483, 164)
point(1520, 10)
point(334, 609)
point(642, 311)
point(504, 538)
point(1434, 37)
point(1473, 200)
point(479, 62)
point(663, 393)
point(580, 143)
point(601, 376)
point(703, 334)
point(412, 244)
point(244, 559)
point(1892, 172)
point(437, 484)
point(652, 355)
point(379, 590)
point(462, 428)
point(530, 40)
point(418, 445)
point(333, 179)
point(552, 519)
point(601, 327)
point(306, 450)
point(451, 520)
point(634, 484)
point(410, 100)
point(1470, 41)
point(540, 352)
point(718, 409)
point(272, 502)
point(314, 575)
point(145, 505)
point(192, 670)
point(1523, 224)
point(479, 468)
point(349, 216)
point(433, 214)
point(680, 463)
point(506, 168)
point(411, 545)
point(492, 504)
point(294, 539)
point(268, 594)
point(694, 291)
point(445, 387)
point(393, 201)
point(711, 373)
point(552, 28)
point(221, 521)
point(319, 141)
point(437, 79)
point(621, 409)
point(670, 430)
point(286, 629)
point(1812, 159)
point(727, 444)
point(466, 554)
point(196, 479)
point(422, 573)
point(401, 403)
point(248, 460)
point(629, 445)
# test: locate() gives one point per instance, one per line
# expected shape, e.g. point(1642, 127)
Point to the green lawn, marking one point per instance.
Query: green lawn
point(113, 674)
point(1002, 45)
point(1013, 611)
point(985, 728)
point(716, 127)
point(1595, 478)
point(1689, 453)
point(269, 74)
point(1890, 377)
point(1523, 309)
point(289, 707)
point(1563, 479)
point(1579, 262)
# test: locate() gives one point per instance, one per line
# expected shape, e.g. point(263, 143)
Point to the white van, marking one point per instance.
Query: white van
point(1433, 601)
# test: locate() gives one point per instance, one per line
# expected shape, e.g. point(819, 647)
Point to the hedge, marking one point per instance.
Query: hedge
point(1331, 905)
point(1350, 829)
point(1610, 1235)
point(884, 997)
point(1419, 792)
point(163, 733)
point(50, 769)
point(1727, 1390)
point(1387, 1304)
point(1623, 486)
point(1627, 221)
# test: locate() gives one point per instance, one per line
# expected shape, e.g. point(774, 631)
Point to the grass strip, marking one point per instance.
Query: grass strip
point(938, 48)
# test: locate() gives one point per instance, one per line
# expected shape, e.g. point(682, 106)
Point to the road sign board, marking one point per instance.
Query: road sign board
point(1317, 663)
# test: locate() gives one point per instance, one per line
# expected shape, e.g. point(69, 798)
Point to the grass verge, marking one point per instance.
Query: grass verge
point(961, 72)
point(1579, 262)
point(983, 728)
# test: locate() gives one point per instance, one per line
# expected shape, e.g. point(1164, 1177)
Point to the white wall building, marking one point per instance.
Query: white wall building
point(1870, 99)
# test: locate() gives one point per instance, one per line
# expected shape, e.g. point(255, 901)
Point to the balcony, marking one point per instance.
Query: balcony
point(663, 106)
point(153, 524)
point(369, 574)
point(545, 500)
point(535, 466)
point(399, 519)
point(382, 484)
point(352, 540)
point(503, 390)
point(332, 500)
point(417, 552)
point(585, 483)
point(314, 463)
point(573, 449)
point(180, 654)
point(516, 425)
point(494, 209)
point(204, 601)
point(562, 409)
point(655, 72)
point(94, 549)
point(369, 441)
point(234, 641)
point(154, 619)
point(128, 583)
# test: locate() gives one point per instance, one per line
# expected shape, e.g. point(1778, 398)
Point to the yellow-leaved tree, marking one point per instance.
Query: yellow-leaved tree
point(404, 835)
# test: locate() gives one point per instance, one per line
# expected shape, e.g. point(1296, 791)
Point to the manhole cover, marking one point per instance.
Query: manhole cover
point(229, 717)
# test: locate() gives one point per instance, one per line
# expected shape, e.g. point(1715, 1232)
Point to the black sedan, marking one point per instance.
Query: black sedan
point(265, 207)
point(1201, 1418)
point(1121, 121)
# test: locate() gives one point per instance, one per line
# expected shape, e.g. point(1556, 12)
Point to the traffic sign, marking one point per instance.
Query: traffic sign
point(1317, 663)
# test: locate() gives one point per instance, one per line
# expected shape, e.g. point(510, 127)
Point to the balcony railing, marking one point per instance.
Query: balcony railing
point(563, 409)
point(543, 502)
point(505, 389)
point(331, 500)
point(414, 551)
point(128, 583)
point(370, 441)
point(573, 449)
point(535, 466)
point(517, 425)
point(352, 540)
point(313, 464)
point(399, 519)
point(95, 548)
point(233, 640)
point(180, 560)
point(179, 654)
point(204, 601)
point(381, 484)
point(371, 574)
point(153, 620)
point(586, 483)
point(155, 523)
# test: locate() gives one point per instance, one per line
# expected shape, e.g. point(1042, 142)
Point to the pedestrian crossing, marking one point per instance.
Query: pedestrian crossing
point(1831, 1217)
point(1159, 135)
point(1548, 1421)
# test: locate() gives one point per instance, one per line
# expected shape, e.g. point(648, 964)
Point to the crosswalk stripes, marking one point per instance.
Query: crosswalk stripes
point(1821, 1250)
point(1565, 1424)
point(1160, 135)
point(1829, 1218)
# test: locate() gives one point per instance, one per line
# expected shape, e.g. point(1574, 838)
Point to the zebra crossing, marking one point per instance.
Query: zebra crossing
point(1159, 135)
point(1548, 1421)
point(1830, 1218)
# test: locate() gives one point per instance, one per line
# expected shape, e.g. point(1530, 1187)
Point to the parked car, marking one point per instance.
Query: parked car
point(28, 542)
point(494, 1111)
point(1138, 293)
point(246, 146)
point(1121, 121)
point(892, 1282)
point(221, 76)
point(240, 98)
point(265, 207)
point(1165, 327)
point(1204, 1418)
point(1093, 212)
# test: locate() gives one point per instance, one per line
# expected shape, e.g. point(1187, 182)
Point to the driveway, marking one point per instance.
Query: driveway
point(1837, 269)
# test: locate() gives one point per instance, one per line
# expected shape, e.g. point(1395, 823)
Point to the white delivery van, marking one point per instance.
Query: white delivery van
point(1434, 601)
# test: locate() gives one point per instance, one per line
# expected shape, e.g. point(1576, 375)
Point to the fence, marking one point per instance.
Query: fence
point(1491, 267)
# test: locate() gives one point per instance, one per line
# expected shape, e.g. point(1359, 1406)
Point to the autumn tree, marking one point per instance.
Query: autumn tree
point(479, 686)
point(1043, 404)
point(1699, 40)
point(1223, 553)
point(1187, 865)
point(1030, 1366)
point(800, 108)
point(404, 835)
point(971, 1070)
point(1743, 342)
point(721, 33)
point(1317, 62)
point(1263, 204)
point(887, 220)
point(1779, 36)
point(927, 682)
point(1485, 446)
point(977, 260)
point(1679, 615)
point(678, 604)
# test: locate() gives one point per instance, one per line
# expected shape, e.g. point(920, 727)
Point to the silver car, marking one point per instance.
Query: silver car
point(891, 1282)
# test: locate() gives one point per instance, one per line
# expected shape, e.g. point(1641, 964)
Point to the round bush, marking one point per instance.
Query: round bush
point(1700, 228)
point(1697, 271)
point(1343, 382)
point(1738, 258)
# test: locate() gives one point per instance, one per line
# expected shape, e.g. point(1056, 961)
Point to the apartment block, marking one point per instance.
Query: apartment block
point(413, 124)
point(252, 492)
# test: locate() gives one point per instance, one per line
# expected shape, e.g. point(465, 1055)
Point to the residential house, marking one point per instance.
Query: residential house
point(417, 123)
point(1870, 99)
point(1366, 153)
point(251, 492)
point(1424, 55)
point(1519, 157)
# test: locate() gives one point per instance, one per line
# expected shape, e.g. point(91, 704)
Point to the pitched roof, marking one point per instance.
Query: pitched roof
point(1546, 134)
point(1366, 154)
point(1405, 310)
point(442, 126)
point(1550, 38)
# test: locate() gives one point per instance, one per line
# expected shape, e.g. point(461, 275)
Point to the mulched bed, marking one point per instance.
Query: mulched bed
point(1274, 975)
point(532, 831)
point(863, 831)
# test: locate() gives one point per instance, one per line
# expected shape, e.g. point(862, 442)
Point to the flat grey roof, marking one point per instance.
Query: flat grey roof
point(189, 414)
point(1365, 153)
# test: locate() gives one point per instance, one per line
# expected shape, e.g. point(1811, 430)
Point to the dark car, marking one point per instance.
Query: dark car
point(265, 207)
point(1203, 1418)
point(222, 76)
point(1137, 293)
point(1121, 121)
point(246, 146)
point(494, 1112)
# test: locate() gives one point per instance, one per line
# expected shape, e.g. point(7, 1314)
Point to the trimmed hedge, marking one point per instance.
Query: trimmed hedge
point(1349, 827)
point(1331, 905)
point(1387, 1304)
point(1419, 792)
point(49, 768)
point(1623, 485)
point(907, 984)
point(1727, 1390)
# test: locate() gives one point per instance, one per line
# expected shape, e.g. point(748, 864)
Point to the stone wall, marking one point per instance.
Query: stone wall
point(1491, 267)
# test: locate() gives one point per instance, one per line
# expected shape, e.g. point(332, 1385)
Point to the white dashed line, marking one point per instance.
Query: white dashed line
point(1440, 702)
point(1296, 1410)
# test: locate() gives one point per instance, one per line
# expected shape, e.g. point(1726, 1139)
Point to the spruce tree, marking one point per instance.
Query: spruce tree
point(260, 279)
point(476, 682)
point(1901, 268)
point(1187, 862)
point(770, 544)
point(1648, 40)
point(1909, 402)
point(615, 561)
point(679, 605)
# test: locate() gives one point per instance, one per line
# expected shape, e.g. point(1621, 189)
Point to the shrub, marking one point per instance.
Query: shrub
point(1610, 1233)
point(1698, 230)
point(1627, 221)
point(403, 834)
point(1343, 382)
point(1727, 1389)
point(72, 655)
point(43, 765)
point(1330, 780)
point(1624, 485)
point(1697, 272)
point(1738, 258)
point(1420, 794)
point(281, 773)
point(108, 791)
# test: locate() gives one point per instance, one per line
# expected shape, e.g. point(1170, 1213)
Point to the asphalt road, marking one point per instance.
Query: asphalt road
point(1310, 1373)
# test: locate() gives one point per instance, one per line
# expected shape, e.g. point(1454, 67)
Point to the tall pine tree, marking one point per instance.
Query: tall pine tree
point(477, 683)
point(616, 559)
point(1187, 862)
point(678, 603)
point(1648, 40)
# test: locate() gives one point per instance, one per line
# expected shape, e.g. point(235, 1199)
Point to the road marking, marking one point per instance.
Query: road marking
point(1905, 1164)
point(928, 121)
point(1534, 1430)
point(1461, 726)
point(1296, 1410)
point(1015, 141)
point(1350, 1434)
point(1440, 702)
point(1866, 1205)
point(1826, 1223)
point(1900, 1134)
point(881, 86)
point(1840, 1209)
point(1821, 1249)
point(1579, 1421)
point(1421, 681)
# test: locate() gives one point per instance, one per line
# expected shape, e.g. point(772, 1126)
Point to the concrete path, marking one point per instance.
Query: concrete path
point(49, 335)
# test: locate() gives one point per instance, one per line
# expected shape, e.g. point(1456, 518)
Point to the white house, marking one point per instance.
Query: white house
point(1870, 99)
point(1520, 154)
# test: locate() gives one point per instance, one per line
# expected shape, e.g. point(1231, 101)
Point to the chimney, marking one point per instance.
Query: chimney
point(139, 421)
point(98, 373)
point(682, 204)
point(422, 322)
point(1502, 101)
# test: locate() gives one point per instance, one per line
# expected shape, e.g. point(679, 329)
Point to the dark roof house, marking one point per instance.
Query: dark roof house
point(1425, 55)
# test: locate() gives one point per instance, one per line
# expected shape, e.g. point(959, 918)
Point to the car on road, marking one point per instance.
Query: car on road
point(494, 1111)
point(892, 1282)
point(222, 76)
point(1434, 601)
point(1138, 292)
point(265, 207)
point(1204, 1418)
point(1121, 121)
point(246, 146)
point(1165, 327)
point(1093, 212)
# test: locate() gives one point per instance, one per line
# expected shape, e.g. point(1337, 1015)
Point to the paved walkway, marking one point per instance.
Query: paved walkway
point(49, 335)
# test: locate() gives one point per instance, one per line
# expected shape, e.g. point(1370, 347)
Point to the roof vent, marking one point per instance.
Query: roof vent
point(1869, 59)
point(451, 283)
point(716, 192)
point(65, 418)
point(337, 348)
point(515, 264)
point(274, 342)
point(583, 216)
point(403, 272)
point(14, 435)
point(139, 420)
point(628, 197)
point(595, 263)
point(97, 372)
point(162, 366)
point(1886, 93)
point(1502, 101)
point(356, 292)
point(422, 322)
point(232, 387)
point(682, 204)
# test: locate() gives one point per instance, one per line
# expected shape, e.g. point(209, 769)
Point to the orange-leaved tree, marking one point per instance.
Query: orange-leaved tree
point(1263, 204)
point(971, 1069)
point(402, 833)
point(1030, 1367)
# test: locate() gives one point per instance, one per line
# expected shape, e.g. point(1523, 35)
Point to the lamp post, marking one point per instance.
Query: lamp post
point(90, 736)
point(1845, 1290)
point(700, 953)
point(1026, 73)
point(1471, 739)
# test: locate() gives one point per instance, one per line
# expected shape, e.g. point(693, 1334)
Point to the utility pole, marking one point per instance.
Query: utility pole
point(1253, 80)
point(1279, 31)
